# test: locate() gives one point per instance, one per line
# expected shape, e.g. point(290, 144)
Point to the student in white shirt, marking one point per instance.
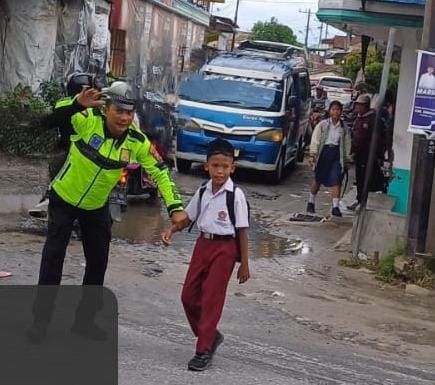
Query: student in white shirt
point(329, 154)
point(216, 251)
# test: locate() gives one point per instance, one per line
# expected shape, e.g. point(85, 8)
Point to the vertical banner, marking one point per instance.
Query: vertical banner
point(423, 109)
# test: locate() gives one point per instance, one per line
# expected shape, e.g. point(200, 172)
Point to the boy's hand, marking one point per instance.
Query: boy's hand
point(167, 236)
point(243, 273)
point(312, 162)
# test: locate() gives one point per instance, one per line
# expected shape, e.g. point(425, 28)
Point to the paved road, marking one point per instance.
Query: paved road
point(267, 338)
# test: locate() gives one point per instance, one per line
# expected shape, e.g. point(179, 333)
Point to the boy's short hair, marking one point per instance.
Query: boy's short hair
point(220, 146)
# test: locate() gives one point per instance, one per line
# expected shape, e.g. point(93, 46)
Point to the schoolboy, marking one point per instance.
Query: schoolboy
point(216, 250)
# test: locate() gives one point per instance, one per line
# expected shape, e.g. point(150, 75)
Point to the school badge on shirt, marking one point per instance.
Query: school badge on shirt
point(124, 156)
point(222, 215)
point(96, 142)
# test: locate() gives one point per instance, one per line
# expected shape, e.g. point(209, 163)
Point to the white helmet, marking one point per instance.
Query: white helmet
point(120, 94)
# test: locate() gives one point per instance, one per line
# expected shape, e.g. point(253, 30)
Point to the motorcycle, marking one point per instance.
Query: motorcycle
point(139, 183)
point(118, 197)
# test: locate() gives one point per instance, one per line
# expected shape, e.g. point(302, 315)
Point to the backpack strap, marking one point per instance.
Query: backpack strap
point(230, 206)
point(198, 210)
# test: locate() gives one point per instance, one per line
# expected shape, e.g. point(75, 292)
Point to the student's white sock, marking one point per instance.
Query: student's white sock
point(335, 202)
point(312, 198)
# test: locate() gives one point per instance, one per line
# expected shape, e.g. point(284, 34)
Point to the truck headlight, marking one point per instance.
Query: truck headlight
point(274, 135)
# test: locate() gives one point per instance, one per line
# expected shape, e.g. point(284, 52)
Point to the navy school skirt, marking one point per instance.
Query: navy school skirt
point(328, 168)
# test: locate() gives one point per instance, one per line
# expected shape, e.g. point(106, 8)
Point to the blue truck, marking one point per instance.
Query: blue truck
point(257, 97)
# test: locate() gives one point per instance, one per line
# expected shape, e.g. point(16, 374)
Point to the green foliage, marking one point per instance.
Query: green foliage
point(351, 65)
point(50, 92)
point(273, 31)
point(21, 133)
point(385, 269)
point(374, 76)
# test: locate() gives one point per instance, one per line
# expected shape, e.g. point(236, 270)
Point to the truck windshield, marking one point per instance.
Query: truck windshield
point(233, 91)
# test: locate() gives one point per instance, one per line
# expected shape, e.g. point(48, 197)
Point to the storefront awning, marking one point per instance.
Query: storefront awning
point(342, 16)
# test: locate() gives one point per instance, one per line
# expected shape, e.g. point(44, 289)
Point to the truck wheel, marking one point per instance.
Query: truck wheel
point(183, 165)
point(275, 177)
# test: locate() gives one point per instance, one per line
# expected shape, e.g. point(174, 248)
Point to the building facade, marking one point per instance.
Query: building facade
point(374, 19)
point(148, 42)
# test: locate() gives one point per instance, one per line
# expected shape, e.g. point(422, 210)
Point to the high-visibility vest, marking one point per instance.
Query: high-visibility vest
point(96, 160)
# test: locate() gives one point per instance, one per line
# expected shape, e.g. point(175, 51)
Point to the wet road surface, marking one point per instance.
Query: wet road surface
point(301, 319)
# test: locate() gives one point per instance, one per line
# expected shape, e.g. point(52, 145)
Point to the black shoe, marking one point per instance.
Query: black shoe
point(353, 206)
point(336, 212)
point(310, 208)
point(200, 362)
point(218, 339)
point(89, 331)
point(36, 334)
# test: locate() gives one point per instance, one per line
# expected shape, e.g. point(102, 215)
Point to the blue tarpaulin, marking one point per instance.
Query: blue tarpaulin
point(416, 2)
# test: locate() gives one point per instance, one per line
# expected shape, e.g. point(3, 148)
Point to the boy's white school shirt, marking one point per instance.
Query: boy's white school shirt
point(214, 217)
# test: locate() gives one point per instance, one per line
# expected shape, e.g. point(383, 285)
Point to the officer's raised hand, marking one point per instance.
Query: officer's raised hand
point(90, 97)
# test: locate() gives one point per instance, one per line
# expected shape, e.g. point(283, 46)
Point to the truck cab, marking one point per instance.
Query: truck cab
point(259, 101)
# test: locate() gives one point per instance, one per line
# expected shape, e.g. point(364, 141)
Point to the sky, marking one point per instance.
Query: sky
point(286, 11)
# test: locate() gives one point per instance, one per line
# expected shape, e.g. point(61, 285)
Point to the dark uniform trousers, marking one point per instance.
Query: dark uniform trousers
point(96, 235)
point(377, 179)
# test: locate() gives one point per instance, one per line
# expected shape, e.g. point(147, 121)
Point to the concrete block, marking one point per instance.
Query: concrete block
point(379, 201)
point(381, 231)
point(417, 290)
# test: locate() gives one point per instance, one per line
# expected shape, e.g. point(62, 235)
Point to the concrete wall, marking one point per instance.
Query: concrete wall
point(155, 38)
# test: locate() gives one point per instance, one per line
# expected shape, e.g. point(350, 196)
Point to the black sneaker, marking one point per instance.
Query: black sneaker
point(218, 339)
point(353, 206)
point(200, 362)
point(336, 212)
point(89, 331)
point(310, 208)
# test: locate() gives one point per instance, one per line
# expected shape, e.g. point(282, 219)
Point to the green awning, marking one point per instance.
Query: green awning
point(372, 18)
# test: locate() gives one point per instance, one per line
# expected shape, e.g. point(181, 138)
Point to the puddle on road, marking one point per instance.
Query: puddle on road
point(143, 223)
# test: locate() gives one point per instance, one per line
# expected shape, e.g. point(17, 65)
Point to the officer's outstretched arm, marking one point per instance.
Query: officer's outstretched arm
point(160, 174)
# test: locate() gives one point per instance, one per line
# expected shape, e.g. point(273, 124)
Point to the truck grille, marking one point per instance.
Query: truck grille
point(240, 138)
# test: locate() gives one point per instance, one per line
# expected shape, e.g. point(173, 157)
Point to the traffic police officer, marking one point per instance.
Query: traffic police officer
point(104, 141)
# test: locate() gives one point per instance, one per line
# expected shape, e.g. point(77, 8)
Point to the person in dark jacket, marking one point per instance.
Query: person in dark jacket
point(362, 132)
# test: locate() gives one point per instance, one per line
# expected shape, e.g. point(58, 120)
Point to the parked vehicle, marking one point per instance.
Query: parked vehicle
point(118, 198)
point(259, 100)
point(337, 88)
point(155, 115)
point(139, 182)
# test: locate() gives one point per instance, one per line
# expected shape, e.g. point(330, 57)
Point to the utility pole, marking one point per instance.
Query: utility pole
point(326, 32)
point(422, 167)
point(233, 43)
point(308, 25)
point(320, 38)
